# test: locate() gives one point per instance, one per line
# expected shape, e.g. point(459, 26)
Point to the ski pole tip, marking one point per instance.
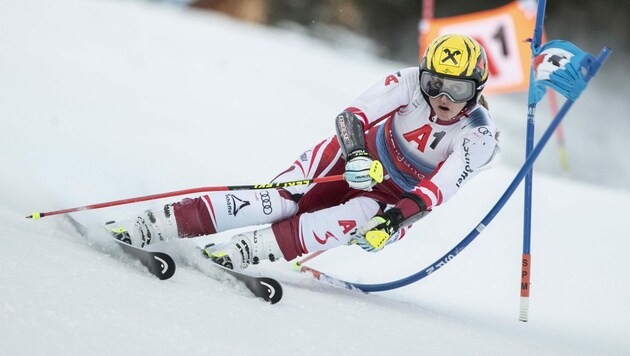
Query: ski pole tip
point(35, 216)
point(296, 265)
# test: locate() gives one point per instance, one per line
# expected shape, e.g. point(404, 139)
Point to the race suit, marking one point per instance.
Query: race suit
point(420, 155)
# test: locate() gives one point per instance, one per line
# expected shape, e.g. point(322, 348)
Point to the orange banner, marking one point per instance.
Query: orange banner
point(503, 33)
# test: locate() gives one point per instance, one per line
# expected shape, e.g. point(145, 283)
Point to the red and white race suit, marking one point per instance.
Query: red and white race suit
point(420, 154)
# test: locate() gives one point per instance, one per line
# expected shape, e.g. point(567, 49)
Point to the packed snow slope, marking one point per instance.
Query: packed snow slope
point(103, 100)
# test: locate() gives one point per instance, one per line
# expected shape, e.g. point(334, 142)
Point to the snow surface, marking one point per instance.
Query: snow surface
point(105, 100)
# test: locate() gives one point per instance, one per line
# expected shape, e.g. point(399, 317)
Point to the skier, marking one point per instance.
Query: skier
point(404, 146)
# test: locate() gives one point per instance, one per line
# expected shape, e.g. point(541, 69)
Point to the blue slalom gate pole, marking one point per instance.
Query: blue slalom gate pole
point(529, 146)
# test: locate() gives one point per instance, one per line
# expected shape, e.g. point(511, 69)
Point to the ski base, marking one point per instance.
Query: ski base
point(327, 279)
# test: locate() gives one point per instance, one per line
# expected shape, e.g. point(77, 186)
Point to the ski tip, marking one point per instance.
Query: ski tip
point(272, 288)
point(165, 268)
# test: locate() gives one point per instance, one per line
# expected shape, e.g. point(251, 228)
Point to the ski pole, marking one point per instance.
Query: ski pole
point(329, 179)
point(299, 263)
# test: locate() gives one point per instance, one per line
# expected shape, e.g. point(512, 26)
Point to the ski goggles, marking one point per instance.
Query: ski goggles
point(458, 90)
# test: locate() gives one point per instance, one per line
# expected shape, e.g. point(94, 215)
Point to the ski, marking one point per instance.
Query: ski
point(268, 289)
point(159, 264)
point(265, 288)
point(162, 266)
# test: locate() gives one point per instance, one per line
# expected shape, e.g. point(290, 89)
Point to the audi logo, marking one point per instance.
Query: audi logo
point(266, 202)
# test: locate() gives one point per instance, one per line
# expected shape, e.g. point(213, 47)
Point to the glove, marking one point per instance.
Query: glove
point(376, 232)
point(362, 172)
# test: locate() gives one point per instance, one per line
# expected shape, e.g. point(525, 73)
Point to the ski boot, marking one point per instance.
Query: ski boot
point(148, 227)
point(244, 249)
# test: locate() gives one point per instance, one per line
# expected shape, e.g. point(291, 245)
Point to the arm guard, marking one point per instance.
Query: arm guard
point(409, 209)
point(350, 133)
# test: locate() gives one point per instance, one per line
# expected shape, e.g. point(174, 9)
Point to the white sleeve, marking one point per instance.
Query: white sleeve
point(385, 97)
point(472, 152)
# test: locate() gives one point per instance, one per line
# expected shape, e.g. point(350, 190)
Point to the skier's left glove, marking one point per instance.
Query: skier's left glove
point(362, 172)
point(376, 232)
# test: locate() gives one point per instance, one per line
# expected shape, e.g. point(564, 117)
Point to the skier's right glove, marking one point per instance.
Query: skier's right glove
point(376, 232)
point(362, 172)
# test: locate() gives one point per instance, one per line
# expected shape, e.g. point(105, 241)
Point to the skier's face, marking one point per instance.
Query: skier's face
point(444, 108)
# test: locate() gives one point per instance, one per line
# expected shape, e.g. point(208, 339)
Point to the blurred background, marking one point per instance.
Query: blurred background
point(595, 141)
point(390, 27)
